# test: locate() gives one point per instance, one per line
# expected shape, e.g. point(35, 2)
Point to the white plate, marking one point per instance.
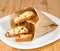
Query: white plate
point(38, 42)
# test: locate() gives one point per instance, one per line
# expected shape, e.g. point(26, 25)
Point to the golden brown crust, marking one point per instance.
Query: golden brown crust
point(24, 16)
point(23, 29)
point(10, 32)
point(21, 38)
point(16, 31)
point(29, 26)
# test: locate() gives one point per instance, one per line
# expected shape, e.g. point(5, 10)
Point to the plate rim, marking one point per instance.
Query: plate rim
point(50, 41)
point(56, 38)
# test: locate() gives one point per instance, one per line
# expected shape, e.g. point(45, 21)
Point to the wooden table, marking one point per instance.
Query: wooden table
point(10, 6)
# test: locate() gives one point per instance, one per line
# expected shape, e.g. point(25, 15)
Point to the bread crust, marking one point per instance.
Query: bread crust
point(16, 31)
point(21, 38)
point(24, 16)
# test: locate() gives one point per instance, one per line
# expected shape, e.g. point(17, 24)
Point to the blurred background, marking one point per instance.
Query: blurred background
point(10, 6)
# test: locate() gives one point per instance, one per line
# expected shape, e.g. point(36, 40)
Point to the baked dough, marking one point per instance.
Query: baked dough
point(16, 31)
point(24, 25)
point(26, 37)
point(29, 26)
point(24, 16)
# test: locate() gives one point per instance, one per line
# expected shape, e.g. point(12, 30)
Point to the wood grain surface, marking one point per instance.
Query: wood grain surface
point(10, 6)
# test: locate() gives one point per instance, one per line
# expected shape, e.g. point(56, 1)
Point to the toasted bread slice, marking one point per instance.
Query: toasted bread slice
point(26, 37)
point(24, 16)
point(10, 32)
point(29, 26)
point(16, 31)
